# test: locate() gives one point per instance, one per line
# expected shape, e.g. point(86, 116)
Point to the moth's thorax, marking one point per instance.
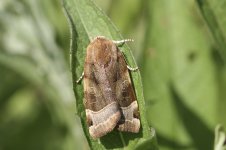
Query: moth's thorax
point(103, 51)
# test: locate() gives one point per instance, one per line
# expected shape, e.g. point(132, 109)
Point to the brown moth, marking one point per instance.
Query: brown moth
point(109, 97)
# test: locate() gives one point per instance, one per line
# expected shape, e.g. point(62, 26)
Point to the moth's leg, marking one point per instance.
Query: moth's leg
point(128, 67)
point(80, 78)
point(132, 69)
point(122, 42)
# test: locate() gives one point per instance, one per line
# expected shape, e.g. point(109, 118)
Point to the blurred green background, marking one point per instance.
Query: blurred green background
point(180, 47)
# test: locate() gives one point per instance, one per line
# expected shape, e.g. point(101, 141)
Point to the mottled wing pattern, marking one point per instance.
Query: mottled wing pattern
point(102, 110)
point(126, 98)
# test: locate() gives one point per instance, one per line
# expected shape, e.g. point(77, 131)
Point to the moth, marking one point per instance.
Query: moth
point(109, 98)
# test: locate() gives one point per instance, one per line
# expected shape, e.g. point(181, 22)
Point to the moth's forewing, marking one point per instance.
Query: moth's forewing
point(126, 98)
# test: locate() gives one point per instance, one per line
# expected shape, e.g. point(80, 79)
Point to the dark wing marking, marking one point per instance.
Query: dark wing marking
point(126, 98)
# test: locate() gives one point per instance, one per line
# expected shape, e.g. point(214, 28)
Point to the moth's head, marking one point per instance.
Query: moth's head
point(101, 43)
point(103, 49)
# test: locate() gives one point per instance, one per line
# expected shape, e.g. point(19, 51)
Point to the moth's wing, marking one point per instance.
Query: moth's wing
point(102, 116)
point(126, 98)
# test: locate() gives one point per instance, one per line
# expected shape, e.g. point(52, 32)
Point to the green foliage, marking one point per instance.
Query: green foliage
point(214, 13)
point(180, 47)
point(37, 103)
point(180, 68)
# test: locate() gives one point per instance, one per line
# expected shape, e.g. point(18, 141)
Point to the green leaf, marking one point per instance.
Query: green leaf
point(214, 13)
point(87, 22)
point(147, 144)
point(181, 92)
